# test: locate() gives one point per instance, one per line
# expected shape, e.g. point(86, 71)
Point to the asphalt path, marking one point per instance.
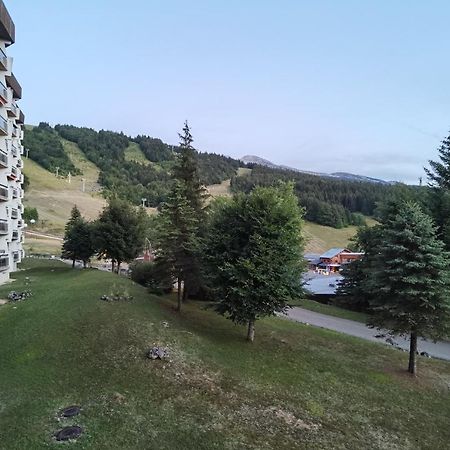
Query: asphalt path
point(440, 349)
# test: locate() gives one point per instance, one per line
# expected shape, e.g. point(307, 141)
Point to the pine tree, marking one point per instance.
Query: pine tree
point(77, 242)
point(254, 254)
point(186, 171)
point(177, 240)
point(408, 280)
point(187, 183)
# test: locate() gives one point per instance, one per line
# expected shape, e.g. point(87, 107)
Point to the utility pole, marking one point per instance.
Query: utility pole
point(83, 181)
point(143, 202)
point(69, 177)
point(28, 151)
point(57, 171)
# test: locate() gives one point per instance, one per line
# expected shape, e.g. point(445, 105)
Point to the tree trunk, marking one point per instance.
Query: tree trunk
point(179, 294)
point(84, 264)
point(118, 267)
point(251, 330)
point(112, 265)
point(412, 353)
point(185, 292)
point(73, 263)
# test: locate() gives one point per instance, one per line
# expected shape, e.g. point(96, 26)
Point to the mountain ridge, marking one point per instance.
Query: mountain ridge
point(253, 159)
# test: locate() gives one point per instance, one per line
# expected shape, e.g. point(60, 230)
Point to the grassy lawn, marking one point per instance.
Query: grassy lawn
point(134, 153)
point(330, 310)
point(295, 387)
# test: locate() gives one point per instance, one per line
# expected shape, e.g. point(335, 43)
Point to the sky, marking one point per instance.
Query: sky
point(355, 86)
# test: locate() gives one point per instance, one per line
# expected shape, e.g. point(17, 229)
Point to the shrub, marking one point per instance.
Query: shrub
point(153, 275)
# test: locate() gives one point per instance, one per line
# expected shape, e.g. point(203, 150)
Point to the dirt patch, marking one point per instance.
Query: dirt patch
point(3, 301)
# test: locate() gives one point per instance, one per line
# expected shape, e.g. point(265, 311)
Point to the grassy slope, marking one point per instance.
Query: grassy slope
point(134, 153)
point(295, 387)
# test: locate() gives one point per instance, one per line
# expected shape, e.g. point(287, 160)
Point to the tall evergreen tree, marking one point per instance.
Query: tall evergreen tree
point(254, 254)
point(77, 242)
point(177, 239)
point(188, 185)
point(186, 171)
point(408, 282)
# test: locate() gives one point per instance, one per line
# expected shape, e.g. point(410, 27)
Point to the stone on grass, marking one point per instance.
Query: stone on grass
point(70, 411)
point(157, 353)
point(67, 433)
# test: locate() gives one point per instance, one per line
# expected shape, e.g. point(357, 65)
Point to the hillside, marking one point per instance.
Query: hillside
point(296, 386)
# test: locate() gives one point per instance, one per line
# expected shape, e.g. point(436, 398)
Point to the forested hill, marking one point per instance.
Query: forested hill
point(139, 167)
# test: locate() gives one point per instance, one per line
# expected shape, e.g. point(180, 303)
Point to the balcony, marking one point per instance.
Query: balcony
point(12, 110)
point(21, 118)
point(12, 175)
point(13, 149)
point(20, 223)
point(4, 262)
point(16, 256)
point(11, 81)
point(3, 94)
point(14, 213)
point(3, 60)
point(7, 28)
point(16, 131)
point(3, 160)
point(4, 228)
point(3, 126)
point(15, 235)
point(15, 193)
point(4, 194)
point(19, 164)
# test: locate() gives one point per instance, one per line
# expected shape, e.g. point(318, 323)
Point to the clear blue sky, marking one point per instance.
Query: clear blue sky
point(360, 86)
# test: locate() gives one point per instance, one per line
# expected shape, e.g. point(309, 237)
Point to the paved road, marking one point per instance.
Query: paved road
point(438, 350)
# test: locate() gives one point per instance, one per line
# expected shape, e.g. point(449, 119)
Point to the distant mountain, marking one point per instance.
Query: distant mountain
point(252, 159)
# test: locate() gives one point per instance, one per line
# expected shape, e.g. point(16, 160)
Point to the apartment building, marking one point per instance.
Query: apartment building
point(11, 151)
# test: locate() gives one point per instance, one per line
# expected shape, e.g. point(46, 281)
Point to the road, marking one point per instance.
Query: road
point(439, 349)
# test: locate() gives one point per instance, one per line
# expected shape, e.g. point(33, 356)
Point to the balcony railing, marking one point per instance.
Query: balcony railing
point(4, 228)
point(15, 131)
point(21, 118)
point(3, 93)
point(14, 213)
point(11, 81)
point(15, 235)
point(15, 194)
point(13, 110)
point(19, 164)
point(13, 150)
point(16, 256)
point(20, 223)
point(4, 194)
point(3, 125)
point(3, 60)
point(12, 175)
point(3, 159)
point(4, 262)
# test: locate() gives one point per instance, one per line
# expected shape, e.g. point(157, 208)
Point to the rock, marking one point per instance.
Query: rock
point(67, 433)
point(390, 341)
point(119, 398)
point(70, 411)
point(15, 296)
point(425, 354)
point(380, 336)
point(157, 353)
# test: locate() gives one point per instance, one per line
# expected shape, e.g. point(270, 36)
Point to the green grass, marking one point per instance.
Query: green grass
point(134, 153)
point(295, 387)
point(330, 310)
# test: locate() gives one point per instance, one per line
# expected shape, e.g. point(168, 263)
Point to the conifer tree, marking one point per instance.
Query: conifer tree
point(177, 240)
point(254, 254)
point(408, 279)
point(77, 242)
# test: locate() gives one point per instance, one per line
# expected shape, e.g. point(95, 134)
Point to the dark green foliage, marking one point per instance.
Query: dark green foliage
point(439, 198)
point(46, 149)
point(327, 201)
point(177, 239)
point(154, 149)
point(153, 275)
point(254, 253)
point(30, 213)
point(119, 232)
point(404, 276)
point(78, 239)
point(213, 169)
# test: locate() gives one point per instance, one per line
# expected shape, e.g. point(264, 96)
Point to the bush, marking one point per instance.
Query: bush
point(153, 275)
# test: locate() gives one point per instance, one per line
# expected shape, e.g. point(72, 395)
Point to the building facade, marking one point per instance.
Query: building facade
point(332, 260)
point(11, 151)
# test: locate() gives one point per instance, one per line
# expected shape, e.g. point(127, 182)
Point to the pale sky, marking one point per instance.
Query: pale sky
point(328, 86)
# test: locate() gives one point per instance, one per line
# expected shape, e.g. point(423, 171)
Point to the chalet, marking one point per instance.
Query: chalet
point(332, 260)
